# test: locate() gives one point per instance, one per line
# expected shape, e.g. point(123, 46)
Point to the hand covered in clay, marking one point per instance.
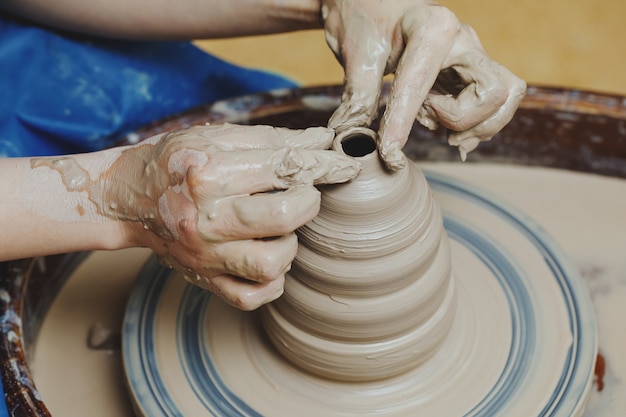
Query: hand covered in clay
point(221, 203)
point(442, 74)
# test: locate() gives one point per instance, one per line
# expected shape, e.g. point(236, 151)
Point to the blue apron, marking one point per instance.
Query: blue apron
point(63, 93)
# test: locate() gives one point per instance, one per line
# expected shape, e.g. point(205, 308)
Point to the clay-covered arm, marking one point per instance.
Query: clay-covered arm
point(166, 19)
point(442, 74)
point(218, 203)
point(39, 215)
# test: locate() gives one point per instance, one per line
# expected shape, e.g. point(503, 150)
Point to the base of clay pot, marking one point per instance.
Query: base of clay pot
point(523, 341)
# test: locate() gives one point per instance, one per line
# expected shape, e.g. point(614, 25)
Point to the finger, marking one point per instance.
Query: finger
point(242, 294)
point(258, 260)
point(426, 48)
point(256, 171)
point(258, 215)
point(485, 91)
point(295, 167)
point(230, 137)
point(364, 65)
point(469, 139)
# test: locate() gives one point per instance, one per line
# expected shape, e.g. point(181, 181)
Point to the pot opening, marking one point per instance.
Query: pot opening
point(358, 144)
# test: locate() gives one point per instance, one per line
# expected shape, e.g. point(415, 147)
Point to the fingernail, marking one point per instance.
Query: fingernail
point(337, 169)
point(393, 156)
point(427, 122)
point(426, 119)
point(315, 167)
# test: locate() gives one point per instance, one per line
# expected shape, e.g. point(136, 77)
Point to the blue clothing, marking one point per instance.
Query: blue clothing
point(64, 93)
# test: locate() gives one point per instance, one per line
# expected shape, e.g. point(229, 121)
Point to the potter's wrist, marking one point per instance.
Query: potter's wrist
point(111, 235)
point(130, 188)
point(135, 235)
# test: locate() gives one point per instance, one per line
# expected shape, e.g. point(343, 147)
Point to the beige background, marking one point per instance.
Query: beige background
point(567, 43)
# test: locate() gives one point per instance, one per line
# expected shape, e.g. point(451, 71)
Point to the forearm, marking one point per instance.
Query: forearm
point(41, 214)
point(165, 19)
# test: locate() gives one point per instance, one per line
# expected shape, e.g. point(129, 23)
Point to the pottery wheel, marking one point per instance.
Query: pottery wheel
point(523, 341)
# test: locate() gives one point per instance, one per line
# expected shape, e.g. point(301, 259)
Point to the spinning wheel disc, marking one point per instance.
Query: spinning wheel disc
point(523, 342)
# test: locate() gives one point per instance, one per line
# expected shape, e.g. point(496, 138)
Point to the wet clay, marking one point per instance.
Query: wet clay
point(222, 350)
point(442, 73)
point(124, 205)
point(199, 188)
point(130, 187)
point(83, 392)
point(370, 293)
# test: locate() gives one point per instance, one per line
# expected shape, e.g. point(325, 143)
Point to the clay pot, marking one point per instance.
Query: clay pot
point(370, 293)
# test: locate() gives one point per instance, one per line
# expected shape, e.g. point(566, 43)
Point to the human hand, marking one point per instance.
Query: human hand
point(206, 200)
point(442, 74)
